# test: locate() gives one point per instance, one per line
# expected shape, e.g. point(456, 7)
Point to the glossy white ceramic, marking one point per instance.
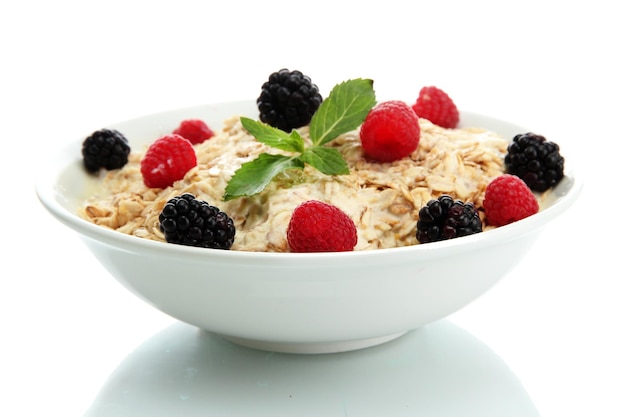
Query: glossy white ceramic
point(302, 303)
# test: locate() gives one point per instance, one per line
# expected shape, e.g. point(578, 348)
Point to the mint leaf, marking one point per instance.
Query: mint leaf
point(274, 137)
point(344, 110)
point(326, 160)
point(253, 176)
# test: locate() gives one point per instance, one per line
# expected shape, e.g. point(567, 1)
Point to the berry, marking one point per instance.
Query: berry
point(535, 160)
point(194, 130)
point(435, 105)
point(390, 131)
point(288, 100)
point(445, 218)
point(320, 227)
point(507, 200)
point(105, 148)
point(186, 220)
point(167, 160)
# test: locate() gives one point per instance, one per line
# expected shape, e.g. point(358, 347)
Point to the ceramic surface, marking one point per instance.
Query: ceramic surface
point(302, 303)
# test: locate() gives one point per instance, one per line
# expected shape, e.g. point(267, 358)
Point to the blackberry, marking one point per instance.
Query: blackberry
point(445, 218)
point(535, 160)
point(185, 220)
point(105, 148)
point(288, 100)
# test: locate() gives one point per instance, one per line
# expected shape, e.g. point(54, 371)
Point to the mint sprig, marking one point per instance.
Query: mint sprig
point(343, 111)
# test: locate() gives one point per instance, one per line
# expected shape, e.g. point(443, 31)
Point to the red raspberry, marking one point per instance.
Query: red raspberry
point(167, 160)
point(435, 105)
point(390, 131)
point(507, 200)
point(320, 227)
point(194, 130)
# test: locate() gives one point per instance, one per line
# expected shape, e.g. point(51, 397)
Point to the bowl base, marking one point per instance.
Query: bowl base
point(313, 348)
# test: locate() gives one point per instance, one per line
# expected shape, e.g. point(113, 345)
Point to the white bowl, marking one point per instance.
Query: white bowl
point(288, 302)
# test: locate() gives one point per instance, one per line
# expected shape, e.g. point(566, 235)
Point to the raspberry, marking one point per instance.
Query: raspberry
point(167, 160)
point(535, 160)
point(105, 148)
point(288, 100)
point(507, 200)
point(185, 220)
point(320, 227)
point(390, 131)
point(445, 218)
point(194, 130)
point(435, 105)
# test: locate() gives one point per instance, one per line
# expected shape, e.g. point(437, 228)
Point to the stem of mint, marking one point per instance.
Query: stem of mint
point(344, 110)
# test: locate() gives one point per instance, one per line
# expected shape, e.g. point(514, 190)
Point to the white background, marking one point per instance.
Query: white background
point(69, 67)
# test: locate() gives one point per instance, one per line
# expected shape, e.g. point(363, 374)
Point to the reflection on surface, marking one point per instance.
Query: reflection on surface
point(439, 370)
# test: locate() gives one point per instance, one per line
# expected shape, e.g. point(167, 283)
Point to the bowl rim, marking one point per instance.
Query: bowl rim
point(48, 193)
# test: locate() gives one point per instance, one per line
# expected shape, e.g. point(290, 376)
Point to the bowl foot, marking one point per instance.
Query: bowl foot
point(313, 348)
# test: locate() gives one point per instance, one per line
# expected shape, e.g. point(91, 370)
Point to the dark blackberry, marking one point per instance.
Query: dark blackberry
point(105, 148)
point(445, 218)
point(288, 100)
point(535, 160)
point(186, 220)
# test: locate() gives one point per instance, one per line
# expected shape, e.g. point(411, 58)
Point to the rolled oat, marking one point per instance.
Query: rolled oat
point(383, 199)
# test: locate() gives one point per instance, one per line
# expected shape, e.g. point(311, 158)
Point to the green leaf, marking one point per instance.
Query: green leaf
point(344, 110)
point(253, 176)
point(326, 160)
point(274, 137)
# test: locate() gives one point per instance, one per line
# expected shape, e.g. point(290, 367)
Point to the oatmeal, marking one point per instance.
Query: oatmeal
point(383, 199)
